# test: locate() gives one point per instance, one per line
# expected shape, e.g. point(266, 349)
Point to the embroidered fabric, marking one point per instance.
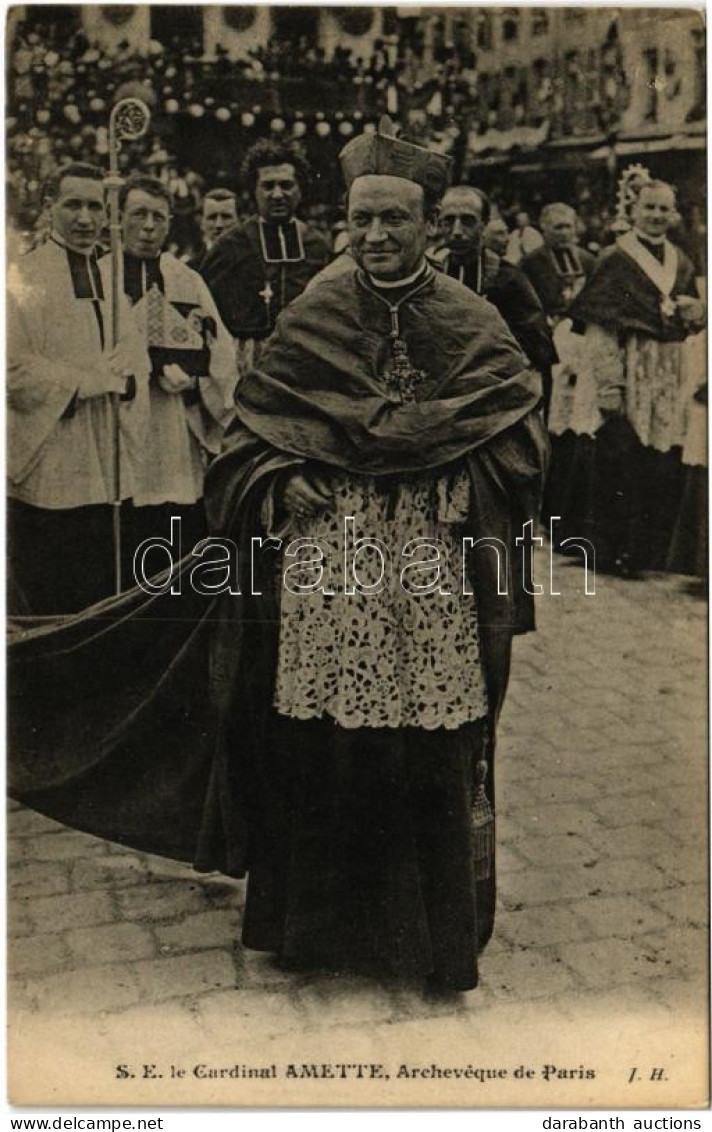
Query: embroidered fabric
point(653, 376)
point(392, 657)
point(655, 391)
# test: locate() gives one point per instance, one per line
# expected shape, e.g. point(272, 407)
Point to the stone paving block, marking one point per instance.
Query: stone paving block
point(565, 818)
point(172, 1029)
point(224, 892)
point(609, 876)
point(86, 990)
point(644, 730)
point(111, 944)
point(19, 1000)
point(631, 1003)
point(153, 902)
point(19, 917)
point(623, 810)
point(26, 823)
point(544, 886)
point(541, 927)
point(59, 846)
point(176, 977)
point(35, 879)
point(508, 859)
point(520, 770)
point(342, 999)
point(200, 930)
point(256, 1013)
point(257, 969)
point(108, 872)
point(679, 952)
point(687, 905)
point(565, 789)
point(73, 910)
point(688, 867)
point(682, 998)
point(690, 804)
point(693, 834)
point(15, 850)
point(38, 955)
point(564, 850)
point(624, 915)
point(607, 963)
point(653, 843)
point(164, 869)
point(525, 975)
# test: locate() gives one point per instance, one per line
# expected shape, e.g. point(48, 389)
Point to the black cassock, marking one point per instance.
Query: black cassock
point(359, 845)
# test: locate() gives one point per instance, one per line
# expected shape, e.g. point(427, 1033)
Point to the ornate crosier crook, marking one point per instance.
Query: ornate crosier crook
point(128, 121)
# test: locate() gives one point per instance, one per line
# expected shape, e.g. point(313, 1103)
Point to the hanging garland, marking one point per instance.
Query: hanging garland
point(239, 17)
point(118, 14)
point(354, 21)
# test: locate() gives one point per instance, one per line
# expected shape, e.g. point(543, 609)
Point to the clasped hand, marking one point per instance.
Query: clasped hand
point(306, 494)
point(692, 311)
point(174, 379)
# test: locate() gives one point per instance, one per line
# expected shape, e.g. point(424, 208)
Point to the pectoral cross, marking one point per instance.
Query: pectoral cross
point(266, 295)
point(402, 379)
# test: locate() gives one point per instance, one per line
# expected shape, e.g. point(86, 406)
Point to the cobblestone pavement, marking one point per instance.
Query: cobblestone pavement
point(600, 948)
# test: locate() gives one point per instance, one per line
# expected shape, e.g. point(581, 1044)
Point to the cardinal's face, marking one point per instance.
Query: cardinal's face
point(388, 230)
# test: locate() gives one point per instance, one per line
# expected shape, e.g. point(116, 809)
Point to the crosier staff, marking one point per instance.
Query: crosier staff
point(128, 121)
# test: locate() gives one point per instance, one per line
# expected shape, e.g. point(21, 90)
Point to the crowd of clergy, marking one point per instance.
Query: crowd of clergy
point(98, 430)
point(343, 754)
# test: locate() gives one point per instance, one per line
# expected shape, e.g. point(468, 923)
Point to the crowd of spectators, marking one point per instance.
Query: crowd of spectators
point(207, 111)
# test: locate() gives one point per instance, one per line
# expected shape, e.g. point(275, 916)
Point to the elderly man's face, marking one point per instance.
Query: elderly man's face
point(144, 224)
point(460, 222)
point(559, 229)
point(387, 225)
point(277, 193)
point(78, 213)
point(654, 211)
point(217, 216)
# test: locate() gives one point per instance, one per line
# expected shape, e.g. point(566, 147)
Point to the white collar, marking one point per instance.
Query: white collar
point(56, 239)
point(662, 275)
point(387, 284)
point(648, 239)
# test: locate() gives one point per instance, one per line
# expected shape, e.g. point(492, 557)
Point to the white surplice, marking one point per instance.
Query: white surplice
point(180, 438)
point(60, 445)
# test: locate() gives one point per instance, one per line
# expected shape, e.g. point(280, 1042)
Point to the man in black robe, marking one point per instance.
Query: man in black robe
point(256, 268)
point(639, 305)
point(218, 212)
point(355, 787)
point(391, 388)
point(464, 214)
point(558, 269)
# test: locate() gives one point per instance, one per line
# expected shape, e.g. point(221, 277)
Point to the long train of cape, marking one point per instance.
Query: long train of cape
point(140, 719)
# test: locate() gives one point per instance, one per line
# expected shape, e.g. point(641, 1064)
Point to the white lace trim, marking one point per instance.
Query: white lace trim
point(392, 658)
